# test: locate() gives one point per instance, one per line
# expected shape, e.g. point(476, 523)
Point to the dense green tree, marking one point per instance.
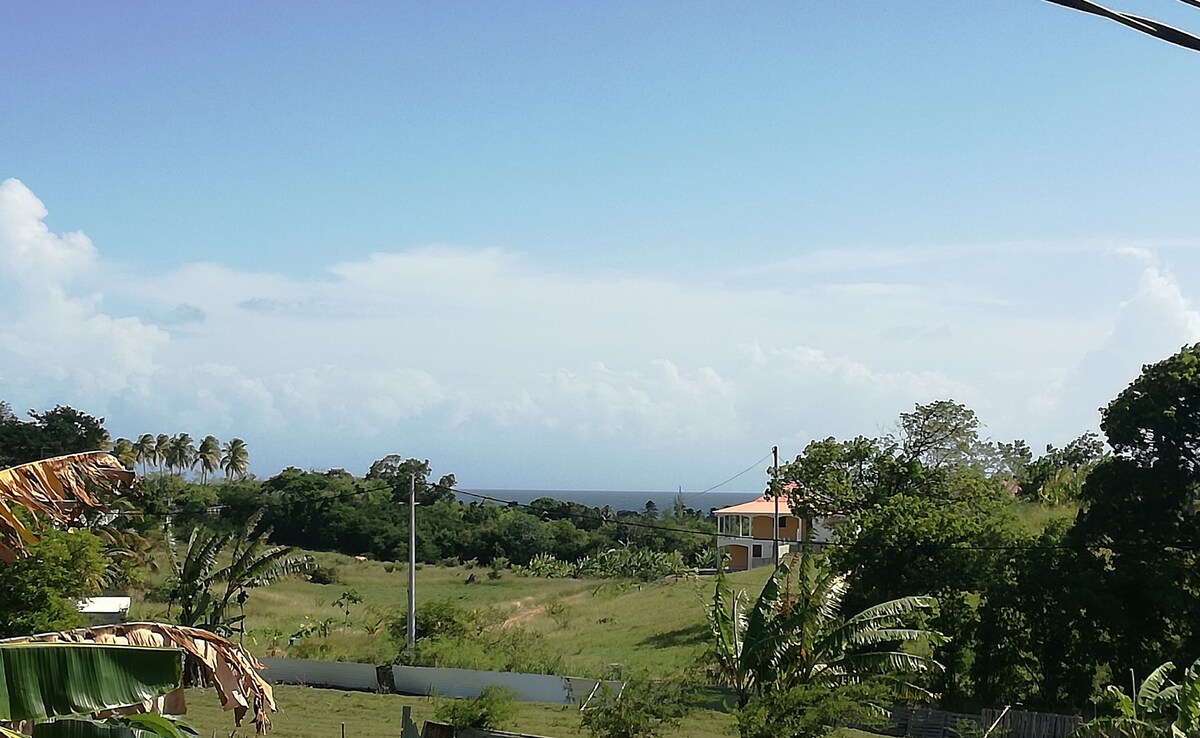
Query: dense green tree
point(1139, 526)
point(399, 473)
point(1037, 643)
point(63, 430)
point(39, 593)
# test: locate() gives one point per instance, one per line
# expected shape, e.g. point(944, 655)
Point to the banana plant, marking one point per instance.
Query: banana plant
point(1159, 708)
point(794, 635)
point(204, 591)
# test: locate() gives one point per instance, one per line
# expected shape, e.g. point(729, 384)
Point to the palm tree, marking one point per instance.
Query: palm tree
point(235, 459)
point(122, 448)
point(145, 450)
point(162, 447)
point(181, 453)
point(208, 456)
point(794, 635)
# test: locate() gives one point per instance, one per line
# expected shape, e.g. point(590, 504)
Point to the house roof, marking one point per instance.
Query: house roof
point(762, 506)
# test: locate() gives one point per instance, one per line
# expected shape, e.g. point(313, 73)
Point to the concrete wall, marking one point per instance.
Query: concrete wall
point(338, 674)
point(427, 680)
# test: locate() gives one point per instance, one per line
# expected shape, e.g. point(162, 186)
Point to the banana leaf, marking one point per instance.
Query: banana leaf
point(40, 681)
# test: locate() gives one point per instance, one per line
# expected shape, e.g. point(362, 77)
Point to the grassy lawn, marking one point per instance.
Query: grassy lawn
point(657, 627)
point(319, 713)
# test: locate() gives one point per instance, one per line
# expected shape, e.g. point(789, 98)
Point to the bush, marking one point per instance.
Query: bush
point(449, 561)
point(499, 564)
point(436, 619)
point(810, 711)
point(324, 575)
point(643, 709)
point(492, 708)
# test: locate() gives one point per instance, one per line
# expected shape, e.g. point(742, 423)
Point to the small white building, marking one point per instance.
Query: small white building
point(105, 610)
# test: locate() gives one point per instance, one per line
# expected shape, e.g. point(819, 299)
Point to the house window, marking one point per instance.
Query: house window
point(758, 550)
point(783, 521)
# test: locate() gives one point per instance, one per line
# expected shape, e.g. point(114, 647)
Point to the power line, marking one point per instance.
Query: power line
point(727, 481)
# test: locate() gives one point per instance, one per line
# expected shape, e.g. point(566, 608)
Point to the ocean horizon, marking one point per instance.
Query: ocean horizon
point(618, 499)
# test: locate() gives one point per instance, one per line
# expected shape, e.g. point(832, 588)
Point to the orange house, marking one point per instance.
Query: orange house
point(749, 534)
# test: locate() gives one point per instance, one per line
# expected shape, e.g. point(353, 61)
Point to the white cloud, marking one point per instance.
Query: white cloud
point(55, 344)
point(506, 372)
point(29, 251)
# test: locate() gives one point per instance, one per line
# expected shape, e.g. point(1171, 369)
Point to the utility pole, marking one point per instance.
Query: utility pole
point(775, 491)
point(410, 639)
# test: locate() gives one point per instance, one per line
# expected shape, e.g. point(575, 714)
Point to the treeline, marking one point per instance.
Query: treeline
point(1054, 575)
point(337, 511)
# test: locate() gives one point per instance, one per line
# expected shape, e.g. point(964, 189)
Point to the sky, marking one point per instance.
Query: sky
point(618, 245)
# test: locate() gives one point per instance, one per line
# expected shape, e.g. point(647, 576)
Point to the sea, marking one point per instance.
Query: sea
point(619, 499)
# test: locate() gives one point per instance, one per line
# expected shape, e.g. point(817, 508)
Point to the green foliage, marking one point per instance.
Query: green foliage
point(204, 590)
point(492, 709)
point(1137, 531)
point(623, 562)
point(812, 711)
point(63, 430)
point(346, 600)
point(1159, 707)
point(39, 593)
point(39, 680)
point(324, 575)
point(644, 708)
point(794, 634)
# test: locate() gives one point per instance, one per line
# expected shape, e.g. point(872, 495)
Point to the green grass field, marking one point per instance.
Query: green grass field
point(656, 627)
point(319, 713)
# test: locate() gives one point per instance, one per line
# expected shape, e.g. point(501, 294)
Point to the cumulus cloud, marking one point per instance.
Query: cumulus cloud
point(55, 343)
point(30, 254)
point(508, 372)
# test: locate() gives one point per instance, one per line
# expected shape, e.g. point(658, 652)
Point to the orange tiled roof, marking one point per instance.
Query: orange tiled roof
point(762, 506)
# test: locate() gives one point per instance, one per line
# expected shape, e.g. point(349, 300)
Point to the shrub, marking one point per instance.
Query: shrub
point(643, 709)
point(492, 708)
point(810, 711)
point(324, 575)
point(499, 564)
point(448, 561)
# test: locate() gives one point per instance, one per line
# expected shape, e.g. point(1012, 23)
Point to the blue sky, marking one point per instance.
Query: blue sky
point(605, 245)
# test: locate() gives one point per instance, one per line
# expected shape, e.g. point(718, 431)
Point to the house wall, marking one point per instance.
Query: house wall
point(739, 557)
point(761, 527)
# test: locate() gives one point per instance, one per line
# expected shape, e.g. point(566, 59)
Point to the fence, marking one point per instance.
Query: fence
point(923, 723)
point(425, 680)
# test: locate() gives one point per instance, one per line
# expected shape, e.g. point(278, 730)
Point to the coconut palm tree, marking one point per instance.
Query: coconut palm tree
point(208, 457)
point(181, 453)
point(795, 635)
point(145, 450)
point(235, 459)
point(122, 448)
point(162, 447)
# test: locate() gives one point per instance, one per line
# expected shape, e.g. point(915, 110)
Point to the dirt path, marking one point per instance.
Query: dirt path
point(525, 616)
